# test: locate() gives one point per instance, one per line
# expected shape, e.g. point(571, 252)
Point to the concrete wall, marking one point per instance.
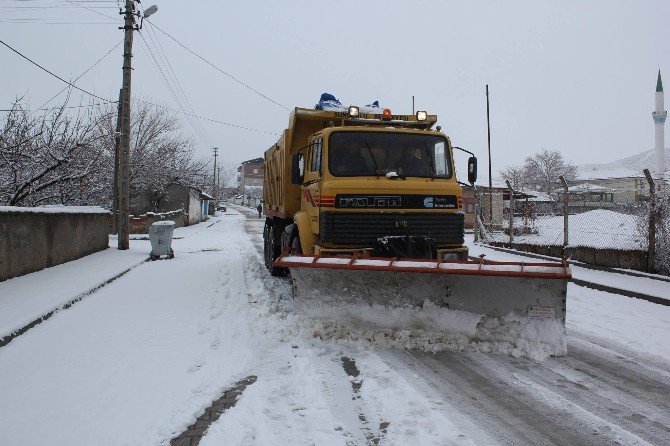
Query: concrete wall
point(31, 241)
point(194, 207)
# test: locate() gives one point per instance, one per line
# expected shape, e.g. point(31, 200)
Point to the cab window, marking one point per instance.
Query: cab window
point(316, 151)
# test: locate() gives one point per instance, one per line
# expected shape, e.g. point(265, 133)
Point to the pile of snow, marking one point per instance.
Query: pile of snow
point(430, 329)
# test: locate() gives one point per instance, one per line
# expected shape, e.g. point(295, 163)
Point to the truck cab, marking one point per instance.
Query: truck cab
point(363, 181)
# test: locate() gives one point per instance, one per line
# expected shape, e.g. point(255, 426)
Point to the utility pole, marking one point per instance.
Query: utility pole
point(214, 183)
point(124, 149)
point(488, 128)
point(117, 146)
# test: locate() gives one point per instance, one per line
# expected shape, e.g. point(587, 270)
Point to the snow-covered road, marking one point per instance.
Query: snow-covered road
point(137, 362)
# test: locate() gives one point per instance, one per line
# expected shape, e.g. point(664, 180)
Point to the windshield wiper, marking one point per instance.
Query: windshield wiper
point(374, 161)
point(431, 161)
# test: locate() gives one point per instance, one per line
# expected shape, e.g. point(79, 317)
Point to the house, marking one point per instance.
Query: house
point(626, 190)
point(191, 200)
point(250, 173)
point(536, 203)
point(494, 201)
point(588, 196)
point(250, 179)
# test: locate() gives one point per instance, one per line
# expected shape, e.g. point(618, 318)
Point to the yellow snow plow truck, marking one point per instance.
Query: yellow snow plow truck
point(366, 208)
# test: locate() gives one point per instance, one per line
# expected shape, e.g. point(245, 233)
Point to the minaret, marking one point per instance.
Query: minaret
point(659, 116)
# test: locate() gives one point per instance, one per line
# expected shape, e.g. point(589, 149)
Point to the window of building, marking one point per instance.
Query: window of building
point(255, 171)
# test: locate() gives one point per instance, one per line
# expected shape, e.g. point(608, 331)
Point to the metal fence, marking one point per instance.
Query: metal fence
point(623, 214)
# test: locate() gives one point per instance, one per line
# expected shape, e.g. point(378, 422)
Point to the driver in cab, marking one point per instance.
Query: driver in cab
point(350, 162)
point(416, 163)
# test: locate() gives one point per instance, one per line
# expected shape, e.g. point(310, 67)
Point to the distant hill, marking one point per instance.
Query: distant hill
point(626, 167)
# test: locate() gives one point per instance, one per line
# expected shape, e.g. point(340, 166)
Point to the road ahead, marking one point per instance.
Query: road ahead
point(207, 349)
point(600, 393)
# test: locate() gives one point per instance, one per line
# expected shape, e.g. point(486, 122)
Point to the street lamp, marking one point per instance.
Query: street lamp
point(150, 10)
point(148, 13)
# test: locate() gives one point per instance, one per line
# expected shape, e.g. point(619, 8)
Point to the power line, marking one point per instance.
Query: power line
point(204, 118)
point(217, 68)
point(96, 104)
point(51, 22)
point(168, 85)
point(82, 74)
point(90, 9)
point(54, 75)
point(176, 90)
point(161, 51)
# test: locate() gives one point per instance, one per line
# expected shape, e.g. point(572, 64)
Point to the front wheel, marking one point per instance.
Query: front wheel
point(272, 249)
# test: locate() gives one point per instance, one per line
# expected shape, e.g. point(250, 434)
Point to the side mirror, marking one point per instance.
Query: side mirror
point(297, 168)
point(472, 170)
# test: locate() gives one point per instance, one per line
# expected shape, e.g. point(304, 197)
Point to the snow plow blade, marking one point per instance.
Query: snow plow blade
point(492, 289)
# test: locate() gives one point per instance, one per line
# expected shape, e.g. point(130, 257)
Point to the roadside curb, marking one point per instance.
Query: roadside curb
point(194, 433)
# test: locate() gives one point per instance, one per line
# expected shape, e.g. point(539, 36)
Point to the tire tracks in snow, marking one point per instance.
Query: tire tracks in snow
point(371, 437)
point(355, 425)
point(479, 404)
point(578, 399)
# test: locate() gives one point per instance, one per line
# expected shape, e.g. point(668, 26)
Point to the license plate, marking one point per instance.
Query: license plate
point(541, 312)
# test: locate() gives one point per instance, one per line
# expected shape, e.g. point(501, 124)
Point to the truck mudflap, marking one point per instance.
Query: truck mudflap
point(494, 290)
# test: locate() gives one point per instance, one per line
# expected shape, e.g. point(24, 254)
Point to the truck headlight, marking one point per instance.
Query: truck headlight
point(421, 116)
point(354, 112)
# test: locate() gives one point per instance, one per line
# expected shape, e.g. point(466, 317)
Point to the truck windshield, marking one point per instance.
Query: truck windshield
point(390, 154)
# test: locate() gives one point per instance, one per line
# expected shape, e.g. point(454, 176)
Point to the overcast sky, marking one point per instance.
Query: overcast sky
point(574, 76)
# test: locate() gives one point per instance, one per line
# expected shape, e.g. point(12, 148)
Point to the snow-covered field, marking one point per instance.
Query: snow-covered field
point(599, 228)
point(137, 361)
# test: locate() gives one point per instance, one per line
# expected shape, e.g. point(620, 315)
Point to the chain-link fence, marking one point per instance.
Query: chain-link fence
point(619, 216)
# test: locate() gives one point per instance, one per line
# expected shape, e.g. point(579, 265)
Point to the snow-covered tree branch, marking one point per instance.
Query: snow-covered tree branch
point(59, 158)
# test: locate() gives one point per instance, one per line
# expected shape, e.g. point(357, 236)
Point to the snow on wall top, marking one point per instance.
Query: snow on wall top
point(589, 187)
point(53, 210)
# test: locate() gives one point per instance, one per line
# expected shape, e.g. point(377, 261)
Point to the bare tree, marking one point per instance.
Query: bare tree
point(515, 175)
point(227, 177)
point(47, 159)
point(57, 158)
point(543, 169)
point(253, 193)
point(160, 155)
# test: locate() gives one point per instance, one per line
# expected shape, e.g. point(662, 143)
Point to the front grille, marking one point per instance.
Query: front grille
point(363, 228)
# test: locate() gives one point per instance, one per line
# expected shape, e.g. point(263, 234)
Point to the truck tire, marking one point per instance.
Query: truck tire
point(272, 248)
point(295, 244)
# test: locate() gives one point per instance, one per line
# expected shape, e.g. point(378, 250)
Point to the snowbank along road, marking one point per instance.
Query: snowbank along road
point(208, 349)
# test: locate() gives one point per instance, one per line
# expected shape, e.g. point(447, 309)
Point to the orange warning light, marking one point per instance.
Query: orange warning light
point(386, 114)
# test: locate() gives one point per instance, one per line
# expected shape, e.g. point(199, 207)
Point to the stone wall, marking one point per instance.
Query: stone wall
point(32, 239)
point(611, 258)
point(140, 224)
